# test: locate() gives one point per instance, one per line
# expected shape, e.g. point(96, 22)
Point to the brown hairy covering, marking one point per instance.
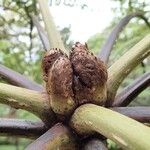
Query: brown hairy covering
point(89, 72)
point(57, 73)
point(60, 77)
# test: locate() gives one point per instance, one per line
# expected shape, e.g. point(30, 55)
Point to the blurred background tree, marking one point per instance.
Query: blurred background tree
point(21, 49)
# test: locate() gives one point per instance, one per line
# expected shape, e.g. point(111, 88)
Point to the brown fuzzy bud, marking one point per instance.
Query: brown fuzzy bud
point(58, 75)
point(90, 75)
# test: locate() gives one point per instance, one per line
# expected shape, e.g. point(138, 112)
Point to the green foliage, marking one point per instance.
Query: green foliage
point(13, 143)
point(18, 37)
point(128, 6)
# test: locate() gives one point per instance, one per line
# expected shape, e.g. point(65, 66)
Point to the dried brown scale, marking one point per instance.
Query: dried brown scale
point(58, 74)
point(90, 70)
point(60, 77)
point(80, 91)
point(90, 74)
point(48, 60)
point(60, 86)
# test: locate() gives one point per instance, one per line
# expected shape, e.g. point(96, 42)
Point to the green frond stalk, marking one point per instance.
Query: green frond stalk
point(32, 101)
point(126, 132)
point(53, 35)
point(125, 64)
